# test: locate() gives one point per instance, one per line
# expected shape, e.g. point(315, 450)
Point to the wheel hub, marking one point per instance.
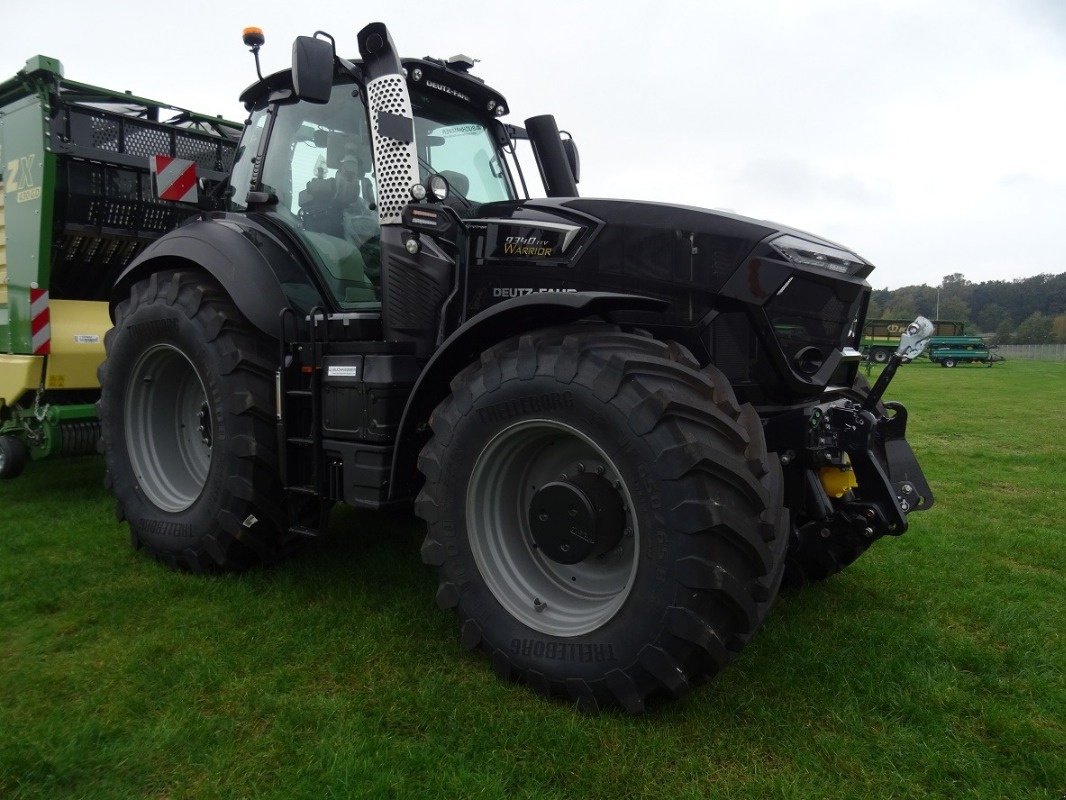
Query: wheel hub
point(203, 426)
point(576, 518)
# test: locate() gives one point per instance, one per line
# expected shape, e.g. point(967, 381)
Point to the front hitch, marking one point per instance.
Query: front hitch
point(890, 484)
point(882, 482)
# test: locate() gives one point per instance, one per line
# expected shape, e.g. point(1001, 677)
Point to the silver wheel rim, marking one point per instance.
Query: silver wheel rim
point(557, 599)
point(169, 428)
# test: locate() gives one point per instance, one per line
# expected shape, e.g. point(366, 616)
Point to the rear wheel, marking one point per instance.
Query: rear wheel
point(949, 362)
point(880, 355)
point(13, 457)
point(606, 521)
point(186, 413)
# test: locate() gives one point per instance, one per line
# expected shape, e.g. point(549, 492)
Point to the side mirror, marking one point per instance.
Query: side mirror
point(572, 158)
point(312, 69)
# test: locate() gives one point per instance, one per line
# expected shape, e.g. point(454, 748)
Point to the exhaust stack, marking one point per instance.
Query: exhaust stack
point(551, 158)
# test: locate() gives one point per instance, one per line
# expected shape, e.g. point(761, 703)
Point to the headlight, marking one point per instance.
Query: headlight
point(808, 254)
point(438, 187)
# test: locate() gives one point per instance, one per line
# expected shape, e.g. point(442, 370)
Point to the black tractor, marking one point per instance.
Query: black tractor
point(625, 424)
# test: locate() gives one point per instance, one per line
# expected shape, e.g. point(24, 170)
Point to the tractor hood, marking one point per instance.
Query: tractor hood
point(736, 287)
point(654, 247)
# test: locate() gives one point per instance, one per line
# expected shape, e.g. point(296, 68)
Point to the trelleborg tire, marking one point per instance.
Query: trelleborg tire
point(812, 558)
point(186, 413)
point(637, 427)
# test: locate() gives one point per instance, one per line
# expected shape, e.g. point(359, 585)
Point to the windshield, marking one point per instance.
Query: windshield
point(454, 143)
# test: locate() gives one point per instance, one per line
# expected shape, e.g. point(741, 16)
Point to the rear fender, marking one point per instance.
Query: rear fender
point(493, 325)
point(242, 257)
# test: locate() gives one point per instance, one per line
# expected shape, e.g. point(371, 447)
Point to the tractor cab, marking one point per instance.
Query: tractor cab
point(309, 166)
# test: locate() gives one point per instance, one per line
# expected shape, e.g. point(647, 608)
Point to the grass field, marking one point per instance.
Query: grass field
point(934, 667)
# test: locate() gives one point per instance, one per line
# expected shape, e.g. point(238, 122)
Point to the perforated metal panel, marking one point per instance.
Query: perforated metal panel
point(145, 140)
point(104, 132)
point(395, 163)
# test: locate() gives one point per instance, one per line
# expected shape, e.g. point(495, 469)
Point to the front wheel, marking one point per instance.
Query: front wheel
point(949, 363)
point(186, 412)
point(881, 355)
point(604, 516)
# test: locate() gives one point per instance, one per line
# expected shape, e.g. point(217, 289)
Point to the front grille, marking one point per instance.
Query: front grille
point(814, 313)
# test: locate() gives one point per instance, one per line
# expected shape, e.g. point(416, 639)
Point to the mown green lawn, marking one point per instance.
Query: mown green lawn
point(932, 668)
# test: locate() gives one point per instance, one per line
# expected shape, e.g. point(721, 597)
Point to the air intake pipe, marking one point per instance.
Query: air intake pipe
point(551, 158)
point(391, 121)
point(413, 284)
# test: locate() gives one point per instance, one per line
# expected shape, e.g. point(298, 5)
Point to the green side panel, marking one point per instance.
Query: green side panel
point(29, 171)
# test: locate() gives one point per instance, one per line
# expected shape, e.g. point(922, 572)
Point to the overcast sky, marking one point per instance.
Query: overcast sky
point(929, 137)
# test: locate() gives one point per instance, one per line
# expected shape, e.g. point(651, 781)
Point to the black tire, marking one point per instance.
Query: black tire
point(14, 456)
point(881, 355)
point(711, 530)
point(950, 363)
point(182, 323)
point(813, 557)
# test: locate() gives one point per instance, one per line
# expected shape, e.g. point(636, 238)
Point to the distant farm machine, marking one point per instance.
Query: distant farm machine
point(77, 205)
point(949, 345)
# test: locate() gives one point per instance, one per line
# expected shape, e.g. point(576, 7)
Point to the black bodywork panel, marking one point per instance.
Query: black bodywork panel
point(774, 328)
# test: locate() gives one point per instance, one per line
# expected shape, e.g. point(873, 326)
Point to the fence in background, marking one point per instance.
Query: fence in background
point(1035, 352)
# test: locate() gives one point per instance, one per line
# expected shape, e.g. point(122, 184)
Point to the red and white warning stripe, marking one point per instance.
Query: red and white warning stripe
point(174, 178)
point(39, 322)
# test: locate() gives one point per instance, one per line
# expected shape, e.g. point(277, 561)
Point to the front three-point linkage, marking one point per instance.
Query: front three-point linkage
point(890, 485)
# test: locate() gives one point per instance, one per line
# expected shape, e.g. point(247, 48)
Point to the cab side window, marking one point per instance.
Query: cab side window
point(319, 165)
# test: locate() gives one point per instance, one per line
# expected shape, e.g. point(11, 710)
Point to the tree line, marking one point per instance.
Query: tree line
point(1021, 311)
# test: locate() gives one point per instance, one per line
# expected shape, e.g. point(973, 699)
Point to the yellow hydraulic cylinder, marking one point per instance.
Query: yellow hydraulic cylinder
point(837, 481)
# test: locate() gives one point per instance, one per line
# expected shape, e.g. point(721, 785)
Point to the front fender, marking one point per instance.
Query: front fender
point(498, 322)
point(242, 257)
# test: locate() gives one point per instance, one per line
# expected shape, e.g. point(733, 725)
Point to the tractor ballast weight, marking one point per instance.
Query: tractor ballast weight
point(625, 424)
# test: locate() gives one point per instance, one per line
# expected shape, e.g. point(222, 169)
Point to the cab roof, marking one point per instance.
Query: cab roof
point(436, 76)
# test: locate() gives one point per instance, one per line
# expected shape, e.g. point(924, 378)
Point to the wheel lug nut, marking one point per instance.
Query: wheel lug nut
point(580, 467)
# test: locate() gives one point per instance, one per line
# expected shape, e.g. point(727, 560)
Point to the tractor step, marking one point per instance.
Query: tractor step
point(303, 531)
